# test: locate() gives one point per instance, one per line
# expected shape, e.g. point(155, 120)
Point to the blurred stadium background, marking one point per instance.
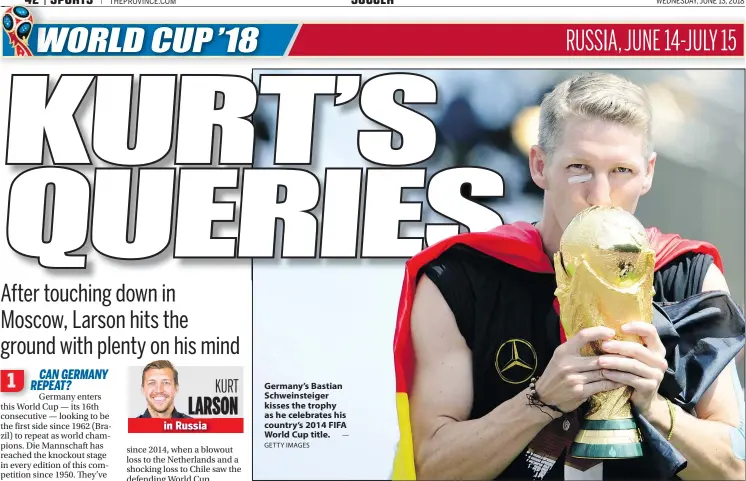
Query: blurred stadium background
point(489, 118)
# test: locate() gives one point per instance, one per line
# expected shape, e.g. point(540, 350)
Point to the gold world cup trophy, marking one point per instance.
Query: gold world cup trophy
point(604, 271)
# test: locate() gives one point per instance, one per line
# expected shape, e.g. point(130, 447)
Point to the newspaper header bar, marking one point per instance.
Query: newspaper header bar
point(371, 40)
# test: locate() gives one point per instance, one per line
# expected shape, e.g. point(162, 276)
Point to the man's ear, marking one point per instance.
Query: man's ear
point(537, 163)
point(650, 171)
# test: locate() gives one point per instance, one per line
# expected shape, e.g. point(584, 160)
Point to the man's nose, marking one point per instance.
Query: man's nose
point(599, 191)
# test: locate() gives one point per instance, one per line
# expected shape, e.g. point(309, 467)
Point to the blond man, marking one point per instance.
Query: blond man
point(159, 385)
point(484, 323)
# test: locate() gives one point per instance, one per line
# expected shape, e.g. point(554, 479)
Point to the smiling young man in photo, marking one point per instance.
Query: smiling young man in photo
point(160, 384)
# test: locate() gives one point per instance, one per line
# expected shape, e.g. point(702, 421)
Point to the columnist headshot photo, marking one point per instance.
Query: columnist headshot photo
point(160, 384)
point(496, 390)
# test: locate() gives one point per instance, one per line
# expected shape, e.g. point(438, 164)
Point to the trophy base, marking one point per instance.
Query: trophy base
point(612, 439)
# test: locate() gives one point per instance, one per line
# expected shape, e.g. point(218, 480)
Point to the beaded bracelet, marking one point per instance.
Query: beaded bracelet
point(533, 400)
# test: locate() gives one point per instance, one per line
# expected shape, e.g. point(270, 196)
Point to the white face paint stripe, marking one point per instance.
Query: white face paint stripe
point(577, 179)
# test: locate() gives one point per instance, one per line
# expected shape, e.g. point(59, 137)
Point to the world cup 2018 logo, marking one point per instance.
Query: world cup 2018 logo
point(17, 23)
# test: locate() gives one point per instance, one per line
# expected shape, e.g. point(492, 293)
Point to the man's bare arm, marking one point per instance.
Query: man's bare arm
point(710, 442)
point(449, 446)
point(446, 445)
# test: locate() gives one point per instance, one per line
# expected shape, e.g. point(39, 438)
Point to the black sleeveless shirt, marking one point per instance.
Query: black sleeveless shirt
point(507, 318)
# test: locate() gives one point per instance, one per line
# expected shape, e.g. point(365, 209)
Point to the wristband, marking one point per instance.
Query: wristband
point(534, 400)
point(672, 413)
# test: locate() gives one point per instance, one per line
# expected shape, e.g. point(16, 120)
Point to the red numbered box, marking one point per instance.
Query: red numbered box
point(11, 381)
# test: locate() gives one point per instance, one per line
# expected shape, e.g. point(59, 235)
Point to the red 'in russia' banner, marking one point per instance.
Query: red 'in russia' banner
point(188, 425)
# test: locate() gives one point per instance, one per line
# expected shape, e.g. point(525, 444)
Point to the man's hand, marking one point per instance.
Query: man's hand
point(570, 378)
point(640, 366)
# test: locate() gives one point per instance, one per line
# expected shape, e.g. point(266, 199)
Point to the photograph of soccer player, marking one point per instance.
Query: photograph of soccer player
point(496, 389)
point(160, 384)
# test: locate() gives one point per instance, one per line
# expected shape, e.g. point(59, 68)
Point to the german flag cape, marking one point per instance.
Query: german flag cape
point(520, 245)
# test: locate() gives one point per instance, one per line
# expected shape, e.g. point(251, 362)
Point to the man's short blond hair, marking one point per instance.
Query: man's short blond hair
point(594, 96)
point(161, 365)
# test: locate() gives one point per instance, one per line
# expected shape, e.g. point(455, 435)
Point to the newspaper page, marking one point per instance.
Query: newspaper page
point(332, 239)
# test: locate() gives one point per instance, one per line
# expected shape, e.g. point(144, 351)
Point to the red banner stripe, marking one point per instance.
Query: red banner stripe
point(191, 425)
point(525, 40)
